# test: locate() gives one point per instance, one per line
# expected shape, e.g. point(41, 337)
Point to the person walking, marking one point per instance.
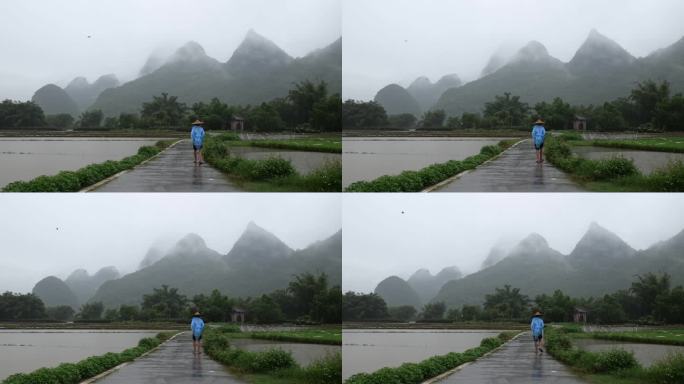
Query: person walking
point(537, 326)
point(197, 136)
point(197, 327)
point(538, 135)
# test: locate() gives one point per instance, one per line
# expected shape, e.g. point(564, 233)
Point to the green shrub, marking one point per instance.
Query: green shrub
point(490, 342)
point(668, 371)
point(607, 169)
point(226, 137)
point(327, 370)
point(269, 168)
point(327, 178)
point(613, 360)
point(272, 360)
point(571, 136)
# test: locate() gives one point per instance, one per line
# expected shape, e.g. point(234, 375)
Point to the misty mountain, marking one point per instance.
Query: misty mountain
point(600, 263)
point(395, 291)
point(53, 100)
point(601, 70)
point(257, 71)
point(84, 93)
point(426, 93)
point(258, 263)
point(397, 100)
point(54, 292)
point(496, 254)
point(83, 285)
point(426, 285)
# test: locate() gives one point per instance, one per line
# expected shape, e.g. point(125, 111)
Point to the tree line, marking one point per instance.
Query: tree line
point(649, 106)
point(308, 298)
point(307, 107)
point(649, 299)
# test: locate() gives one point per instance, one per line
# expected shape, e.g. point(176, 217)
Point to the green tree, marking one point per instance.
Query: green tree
point(60, 121)
point(265, 311)
point(433, 311)
point(471, 120)
point(607, 310)
point(60, 313)
point(608, 118)
point(91, 311)
point(304, 96)
point(646, 96)
point(402, 313)
point(327, 114)
point(454, 314)
point(506, 303)
point(363, 115)
point(309, 293)
point(669, 114)
point(164, 303)
point(507, 110)
point(215, 307)
point(17, 114)
point(90, 119)
point(433, 119)
point(557, 307)
point(557, 115)
point(647, 288)
point(111, 314)
point(360, 307)
point(216, 114)
point(164, 111)
point(669, 307)
point(471, 312)
point(264, 118)
point(402, 121)
point(128, 121)
point(128, 312)
point(16, 306)
point(454, 122)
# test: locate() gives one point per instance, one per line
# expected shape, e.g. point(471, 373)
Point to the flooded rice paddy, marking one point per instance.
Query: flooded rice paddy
point(28, 350)
point(369, 350)
point(26, 158)
point(646, 354)
point(367, 158)
point(304, 354)
point(304, 162)
point(645, 161)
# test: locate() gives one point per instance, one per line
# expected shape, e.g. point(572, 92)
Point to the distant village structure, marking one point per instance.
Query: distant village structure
point(238, 315)
point(237, 124)
point(580, 123)
point(580, 315)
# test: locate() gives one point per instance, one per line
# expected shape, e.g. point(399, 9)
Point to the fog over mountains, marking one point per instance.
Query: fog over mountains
point(601, 70)
point(257, 263)
point(601, 262)
point(257, 71)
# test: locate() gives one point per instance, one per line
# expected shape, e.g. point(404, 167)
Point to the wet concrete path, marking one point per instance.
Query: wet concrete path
point(173, 362)
point(515, 363)
point(171, 171)
point(515, 170)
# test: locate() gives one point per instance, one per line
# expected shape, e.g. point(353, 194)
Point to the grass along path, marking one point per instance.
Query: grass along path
point(310, 336)
point(664, 336)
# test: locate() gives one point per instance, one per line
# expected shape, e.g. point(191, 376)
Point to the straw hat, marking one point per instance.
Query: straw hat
point(537, 313)
point(197, 313)
point(197, 122)
point(539, 121)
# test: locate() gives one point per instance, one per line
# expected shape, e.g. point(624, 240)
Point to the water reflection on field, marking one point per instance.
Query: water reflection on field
point(645, 161)
point(304, 354)
point(646, 354)
point(26, 158)
point(367, 158)
point(304, 162)
point(370, 350)
point(28, 350)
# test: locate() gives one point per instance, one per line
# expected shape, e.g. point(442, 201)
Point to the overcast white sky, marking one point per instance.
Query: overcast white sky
point(439, 230)
point(45, 41)
point(395, 41)
point(46, 234)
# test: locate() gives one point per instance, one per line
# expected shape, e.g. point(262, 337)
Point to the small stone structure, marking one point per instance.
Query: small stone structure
point(237, 124)
point(580, 315)
point(580, 123)
point(238, 315)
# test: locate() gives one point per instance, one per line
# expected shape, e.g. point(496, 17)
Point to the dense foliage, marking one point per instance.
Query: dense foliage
point(17, 306)
point(363, 307)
